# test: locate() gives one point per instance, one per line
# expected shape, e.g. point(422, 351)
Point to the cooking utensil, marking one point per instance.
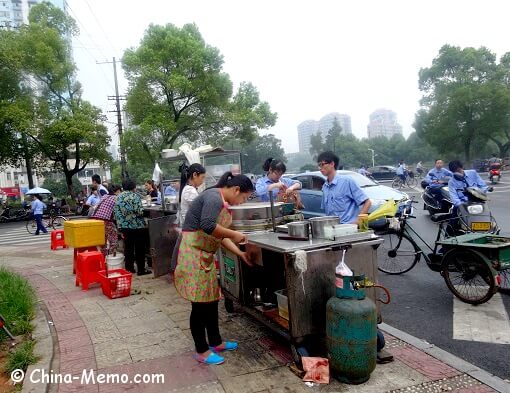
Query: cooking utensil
point(255, 211)
point(318, 225)
point(293, 238)
point(299, 229)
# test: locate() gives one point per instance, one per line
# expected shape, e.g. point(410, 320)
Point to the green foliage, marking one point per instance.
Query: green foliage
point(22, 357)
point(259, 150)
point(466, 101)
point(55, 124)
point(296, 160)
point(59, 187)
point(178, 92)
point(17, 301)
point(308, 167)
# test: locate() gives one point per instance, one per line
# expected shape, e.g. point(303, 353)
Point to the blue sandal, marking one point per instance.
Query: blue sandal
point(213, 358)
point(225, 346)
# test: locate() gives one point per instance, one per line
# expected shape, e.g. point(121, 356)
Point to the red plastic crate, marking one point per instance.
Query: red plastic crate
point(117, 284)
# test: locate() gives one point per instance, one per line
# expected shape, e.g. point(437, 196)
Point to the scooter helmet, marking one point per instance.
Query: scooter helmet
point(424, 184)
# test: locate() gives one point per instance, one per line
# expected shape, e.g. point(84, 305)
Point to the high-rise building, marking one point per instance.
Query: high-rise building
point(14, 13)
point(310, 127)
point(305, 130)
point(326, 123)
point(383, 122)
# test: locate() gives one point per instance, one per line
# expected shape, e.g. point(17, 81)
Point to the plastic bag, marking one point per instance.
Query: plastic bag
point(386, 209)
point(343, 270)
point(317, 369)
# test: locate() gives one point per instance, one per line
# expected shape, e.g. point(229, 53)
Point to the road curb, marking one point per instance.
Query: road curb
point(45, 339)
point(451, 360)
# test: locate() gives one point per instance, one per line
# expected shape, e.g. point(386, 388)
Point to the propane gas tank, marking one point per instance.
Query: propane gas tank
point(351, 332)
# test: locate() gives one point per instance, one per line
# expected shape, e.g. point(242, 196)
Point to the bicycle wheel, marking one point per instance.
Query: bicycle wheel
point(398, 254)
point(58, 222)
point(504, 286)
point(468, 276)
point(411, 182)
point(31, 226)
point(396, 183)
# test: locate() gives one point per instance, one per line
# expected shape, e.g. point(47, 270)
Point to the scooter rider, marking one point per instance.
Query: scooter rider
point(437, 178)
point(462, 179)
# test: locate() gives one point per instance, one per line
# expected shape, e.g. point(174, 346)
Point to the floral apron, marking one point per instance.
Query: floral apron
point(195, 275)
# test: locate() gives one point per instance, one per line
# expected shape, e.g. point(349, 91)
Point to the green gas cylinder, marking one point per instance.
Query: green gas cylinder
point(351, 332)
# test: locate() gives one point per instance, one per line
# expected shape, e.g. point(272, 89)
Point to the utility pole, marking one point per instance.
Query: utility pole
point(117, 98)
point(373, 157)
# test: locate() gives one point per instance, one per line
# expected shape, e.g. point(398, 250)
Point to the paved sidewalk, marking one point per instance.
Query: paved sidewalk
point(148, 333)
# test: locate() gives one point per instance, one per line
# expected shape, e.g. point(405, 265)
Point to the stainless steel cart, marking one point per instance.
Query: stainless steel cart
point(307, 291)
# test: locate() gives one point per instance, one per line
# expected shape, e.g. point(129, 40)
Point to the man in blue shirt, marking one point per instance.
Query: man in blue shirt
point(401, 171)
point(462, 179)
point(363, 171)
point(38, 207)
point(341, 196)
point(437, 178)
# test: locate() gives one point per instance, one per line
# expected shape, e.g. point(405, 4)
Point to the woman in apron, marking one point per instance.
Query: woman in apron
point(205, 229)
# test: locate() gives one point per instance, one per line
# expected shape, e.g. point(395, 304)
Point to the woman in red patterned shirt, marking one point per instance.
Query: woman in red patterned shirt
point(104, 211)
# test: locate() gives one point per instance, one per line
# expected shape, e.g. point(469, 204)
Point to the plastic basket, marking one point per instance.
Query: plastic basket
point(117, 284)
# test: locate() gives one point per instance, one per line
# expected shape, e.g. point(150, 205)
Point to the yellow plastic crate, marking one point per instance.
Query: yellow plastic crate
point(84, 233)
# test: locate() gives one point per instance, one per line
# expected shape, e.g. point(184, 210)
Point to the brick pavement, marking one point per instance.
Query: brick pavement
point(148, 332)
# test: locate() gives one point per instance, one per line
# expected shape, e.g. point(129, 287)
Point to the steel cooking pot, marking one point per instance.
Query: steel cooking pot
point(319, 223)
point(255, 211)
point(299, 229)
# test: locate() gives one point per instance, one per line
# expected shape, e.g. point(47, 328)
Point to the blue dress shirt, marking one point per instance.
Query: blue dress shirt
point(342, 198)
point(456, 187)
point(264, 182)
point(37, 207)
point(437, 174)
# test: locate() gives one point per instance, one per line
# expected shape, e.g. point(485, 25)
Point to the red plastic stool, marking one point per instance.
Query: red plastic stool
point(77, 251)
point(57, 239)
point(88, 265)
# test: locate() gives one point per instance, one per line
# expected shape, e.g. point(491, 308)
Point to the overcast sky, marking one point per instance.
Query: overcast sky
point(306, 58)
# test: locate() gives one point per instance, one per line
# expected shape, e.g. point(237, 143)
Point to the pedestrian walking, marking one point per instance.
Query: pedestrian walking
point(128, 212)
point(104, 212)
point(37, 206)
point(205, 229)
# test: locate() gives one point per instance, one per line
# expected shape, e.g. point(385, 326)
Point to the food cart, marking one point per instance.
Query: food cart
point(161, 219)
point(288, 297)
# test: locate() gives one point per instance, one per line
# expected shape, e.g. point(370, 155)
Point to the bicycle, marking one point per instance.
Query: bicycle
point(410, 181)
point(470, 270)
point(52, 221)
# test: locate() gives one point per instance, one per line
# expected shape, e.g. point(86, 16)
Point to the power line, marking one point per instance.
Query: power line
point(99, 24)
point(86, 31)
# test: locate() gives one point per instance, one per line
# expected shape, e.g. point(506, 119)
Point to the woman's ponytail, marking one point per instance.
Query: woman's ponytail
point(229, 180)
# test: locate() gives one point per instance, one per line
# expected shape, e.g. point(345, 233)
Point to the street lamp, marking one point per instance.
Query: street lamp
point(373, 157)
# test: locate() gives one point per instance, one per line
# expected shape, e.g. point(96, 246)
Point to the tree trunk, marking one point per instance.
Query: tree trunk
point(69, 183)
point(28, 161)
point(467, 151)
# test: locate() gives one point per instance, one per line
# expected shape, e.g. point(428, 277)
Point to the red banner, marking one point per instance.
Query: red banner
point(10, 191)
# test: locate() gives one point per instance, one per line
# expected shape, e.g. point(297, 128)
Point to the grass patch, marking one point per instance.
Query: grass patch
point(22, 357)
point(17, 303)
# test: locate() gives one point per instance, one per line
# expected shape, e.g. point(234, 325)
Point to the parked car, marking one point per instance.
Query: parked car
point(383, 172)
point(311, 192)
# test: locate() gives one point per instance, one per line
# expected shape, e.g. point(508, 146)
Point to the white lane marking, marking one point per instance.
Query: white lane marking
point(486, 322)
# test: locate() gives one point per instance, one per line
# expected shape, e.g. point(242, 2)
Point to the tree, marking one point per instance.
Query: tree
point(316, 145)
point(67, 130)
point(178, 91)
point(458, 91)
point(59, 187)
point(15, 107)
point(333, 134)
point(254, 154)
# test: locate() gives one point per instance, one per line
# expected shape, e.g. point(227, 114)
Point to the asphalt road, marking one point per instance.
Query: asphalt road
point(423, 306)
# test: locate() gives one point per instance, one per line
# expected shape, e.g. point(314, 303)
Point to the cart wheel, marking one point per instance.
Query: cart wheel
point(398, 255)
point(298, 353)
point(504, 286)
point(468, 275)
point(229, 305)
